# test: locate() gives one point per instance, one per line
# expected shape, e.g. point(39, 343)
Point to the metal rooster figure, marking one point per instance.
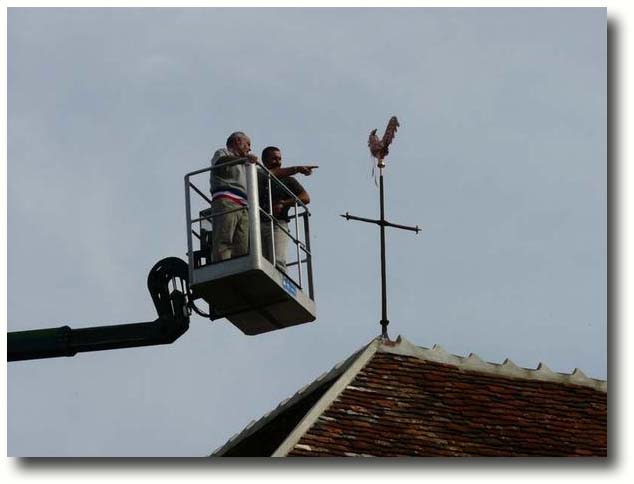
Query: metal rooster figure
point(380, 149)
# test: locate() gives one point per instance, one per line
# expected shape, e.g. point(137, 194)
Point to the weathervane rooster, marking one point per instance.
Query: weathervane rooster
point(380, 147)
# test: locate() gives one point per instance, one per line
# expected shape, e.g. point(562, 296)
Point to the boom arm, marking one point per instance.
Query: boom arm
point(172, 322)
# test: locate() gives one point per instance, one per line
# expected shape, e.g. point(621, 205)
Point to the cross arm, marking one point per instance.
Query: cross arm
point(384, 223)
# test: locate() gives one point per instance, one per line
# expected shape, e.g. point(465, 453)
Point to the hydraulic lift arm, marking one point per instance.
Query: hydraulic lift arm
point(173, 320)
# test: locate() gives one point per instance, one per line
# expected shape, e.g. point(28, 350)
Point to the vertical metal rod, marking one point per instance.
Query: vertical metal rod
point(384, 320)
point(309, 256)
point(255, 243)
point(271, 240)
point(299, 258)
point(188, 216)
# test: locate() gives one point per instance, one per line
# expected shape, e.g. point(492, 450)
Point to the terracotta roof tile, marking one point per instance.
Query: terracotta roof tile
point(395, 399)
point(403, 405)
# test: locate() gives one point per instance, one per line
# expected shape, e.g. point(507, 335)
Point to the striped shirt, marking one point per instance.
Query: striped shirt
point(229, 183)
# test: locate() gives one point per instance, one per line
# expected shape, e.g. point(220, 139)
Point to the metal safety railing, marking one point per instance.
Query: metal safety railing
point(265, 229)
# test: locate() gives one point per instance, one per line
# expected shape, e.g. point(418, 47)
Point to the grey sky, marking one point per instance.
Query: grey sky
point(501, 157)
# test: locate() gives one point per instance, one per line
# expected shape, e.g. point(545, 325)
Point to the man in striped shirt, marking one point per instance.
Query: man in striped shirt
point(230, 234)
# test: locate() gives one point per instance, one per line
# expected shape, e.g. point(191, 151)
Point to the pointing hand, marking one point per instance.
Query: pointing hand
point(306, 169)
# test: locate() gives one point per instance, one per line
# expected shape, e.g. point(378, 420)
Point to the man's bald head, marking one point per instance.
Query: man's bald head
point(239, 143)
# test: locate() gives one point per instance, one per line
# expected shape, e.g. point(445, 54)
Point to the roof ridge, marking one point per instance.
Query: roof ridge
point(508, 368)
point(327, 398)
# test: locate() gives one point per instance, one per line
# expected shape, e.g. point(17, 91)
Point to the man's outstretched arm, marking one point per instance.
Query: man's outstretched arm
point(293, 170)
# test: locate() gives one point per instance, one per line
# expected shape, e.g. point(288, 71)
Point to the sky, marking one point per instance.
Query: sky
point(500, 158)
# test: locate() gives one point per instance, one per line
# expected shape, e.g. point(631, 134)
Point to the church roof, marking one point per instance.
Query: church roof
point(392, 398)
